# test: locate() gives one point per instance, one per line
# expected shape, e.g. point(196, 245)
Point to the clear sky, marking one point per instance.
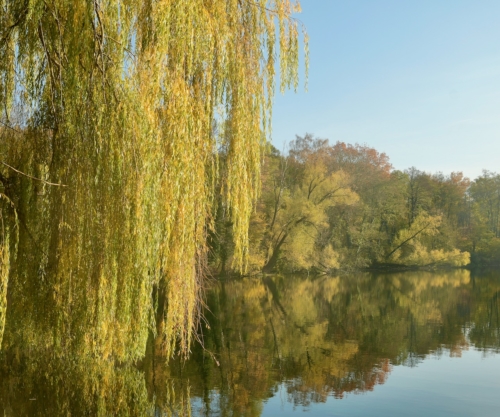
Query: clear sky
point(416, 79)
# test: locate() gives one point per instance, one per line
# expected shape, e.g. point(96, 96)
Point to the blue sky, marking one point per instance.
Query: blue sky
point(418, 80)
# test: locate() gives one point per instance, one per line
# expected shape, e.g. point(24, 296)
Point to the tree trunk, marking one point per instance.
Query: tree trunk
point(269, 266)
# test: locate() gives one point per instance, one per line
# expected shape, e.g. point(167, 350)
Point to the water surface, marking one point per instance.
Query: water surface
point(400, 344)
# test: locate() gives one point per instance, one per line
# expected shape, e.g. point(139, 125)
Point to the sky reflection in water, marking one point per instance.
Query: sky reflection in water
point(439, 386)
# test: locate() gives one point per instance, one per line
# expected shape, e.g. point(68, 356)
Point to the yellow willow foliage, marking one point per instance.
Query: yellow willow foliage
point(5, 259)
point(4, 279)
point(127, 104)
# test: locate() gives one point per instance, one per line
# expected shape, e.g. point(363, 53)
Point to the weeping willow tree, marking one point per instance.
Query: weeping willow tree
point(112, 117)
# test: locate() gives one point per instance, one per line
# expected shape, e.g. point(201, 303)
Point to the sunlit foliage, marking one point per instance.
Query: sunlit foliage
point(298, 191)
point(409, 247)
point(328, 207)
point(125, 105)
point(4, 280)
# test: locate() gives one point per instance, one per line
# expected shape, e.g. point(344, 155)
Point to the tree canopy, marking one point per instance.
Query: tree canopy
point(328, 207)
point(126, 105)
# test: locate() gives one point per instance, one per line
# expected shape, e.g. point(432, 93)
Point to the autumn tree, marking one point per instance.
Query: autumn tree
point(359, 232)
point(419, 193)
point(412, 246)
point(449, 194)
point(112, 116)
point(485, 191)
point(293, 209)
point(481, 219)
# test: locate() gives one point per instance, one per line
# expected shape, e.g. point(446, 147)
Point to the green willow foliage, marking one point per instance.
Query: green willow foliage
point(126, 104)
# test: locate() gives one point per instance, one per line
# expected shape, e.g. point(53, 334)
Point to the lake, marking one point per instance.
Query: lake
point(393, 344)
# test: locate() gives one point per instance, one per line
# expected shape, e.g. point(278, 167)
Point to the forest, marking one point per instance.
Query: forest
point(342, 207)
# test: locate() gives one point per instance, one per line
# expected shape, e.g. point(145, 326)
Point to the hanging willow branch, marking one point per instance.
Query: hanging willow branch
point(128, 102)
point(30, 176)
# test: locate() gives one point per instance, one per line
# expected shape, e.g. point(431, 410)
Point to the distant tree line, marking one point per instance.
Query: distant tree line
point(327, 207)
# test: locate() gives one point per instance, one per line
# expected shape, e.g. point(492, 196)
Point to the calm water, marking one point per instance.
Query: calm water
point(401, 344)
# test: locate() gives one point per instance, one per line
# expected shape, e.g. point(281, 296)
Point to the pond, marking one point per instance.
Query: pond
point(394, 344)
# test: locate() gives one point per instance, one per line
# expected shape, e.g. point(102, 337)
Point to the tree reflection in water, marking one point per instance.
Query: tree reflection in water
point(317, 337)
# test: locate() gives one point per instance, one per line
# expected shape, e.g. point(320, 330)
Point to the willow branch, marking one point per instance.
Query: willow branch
point(33, 178)
point(9, 127)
